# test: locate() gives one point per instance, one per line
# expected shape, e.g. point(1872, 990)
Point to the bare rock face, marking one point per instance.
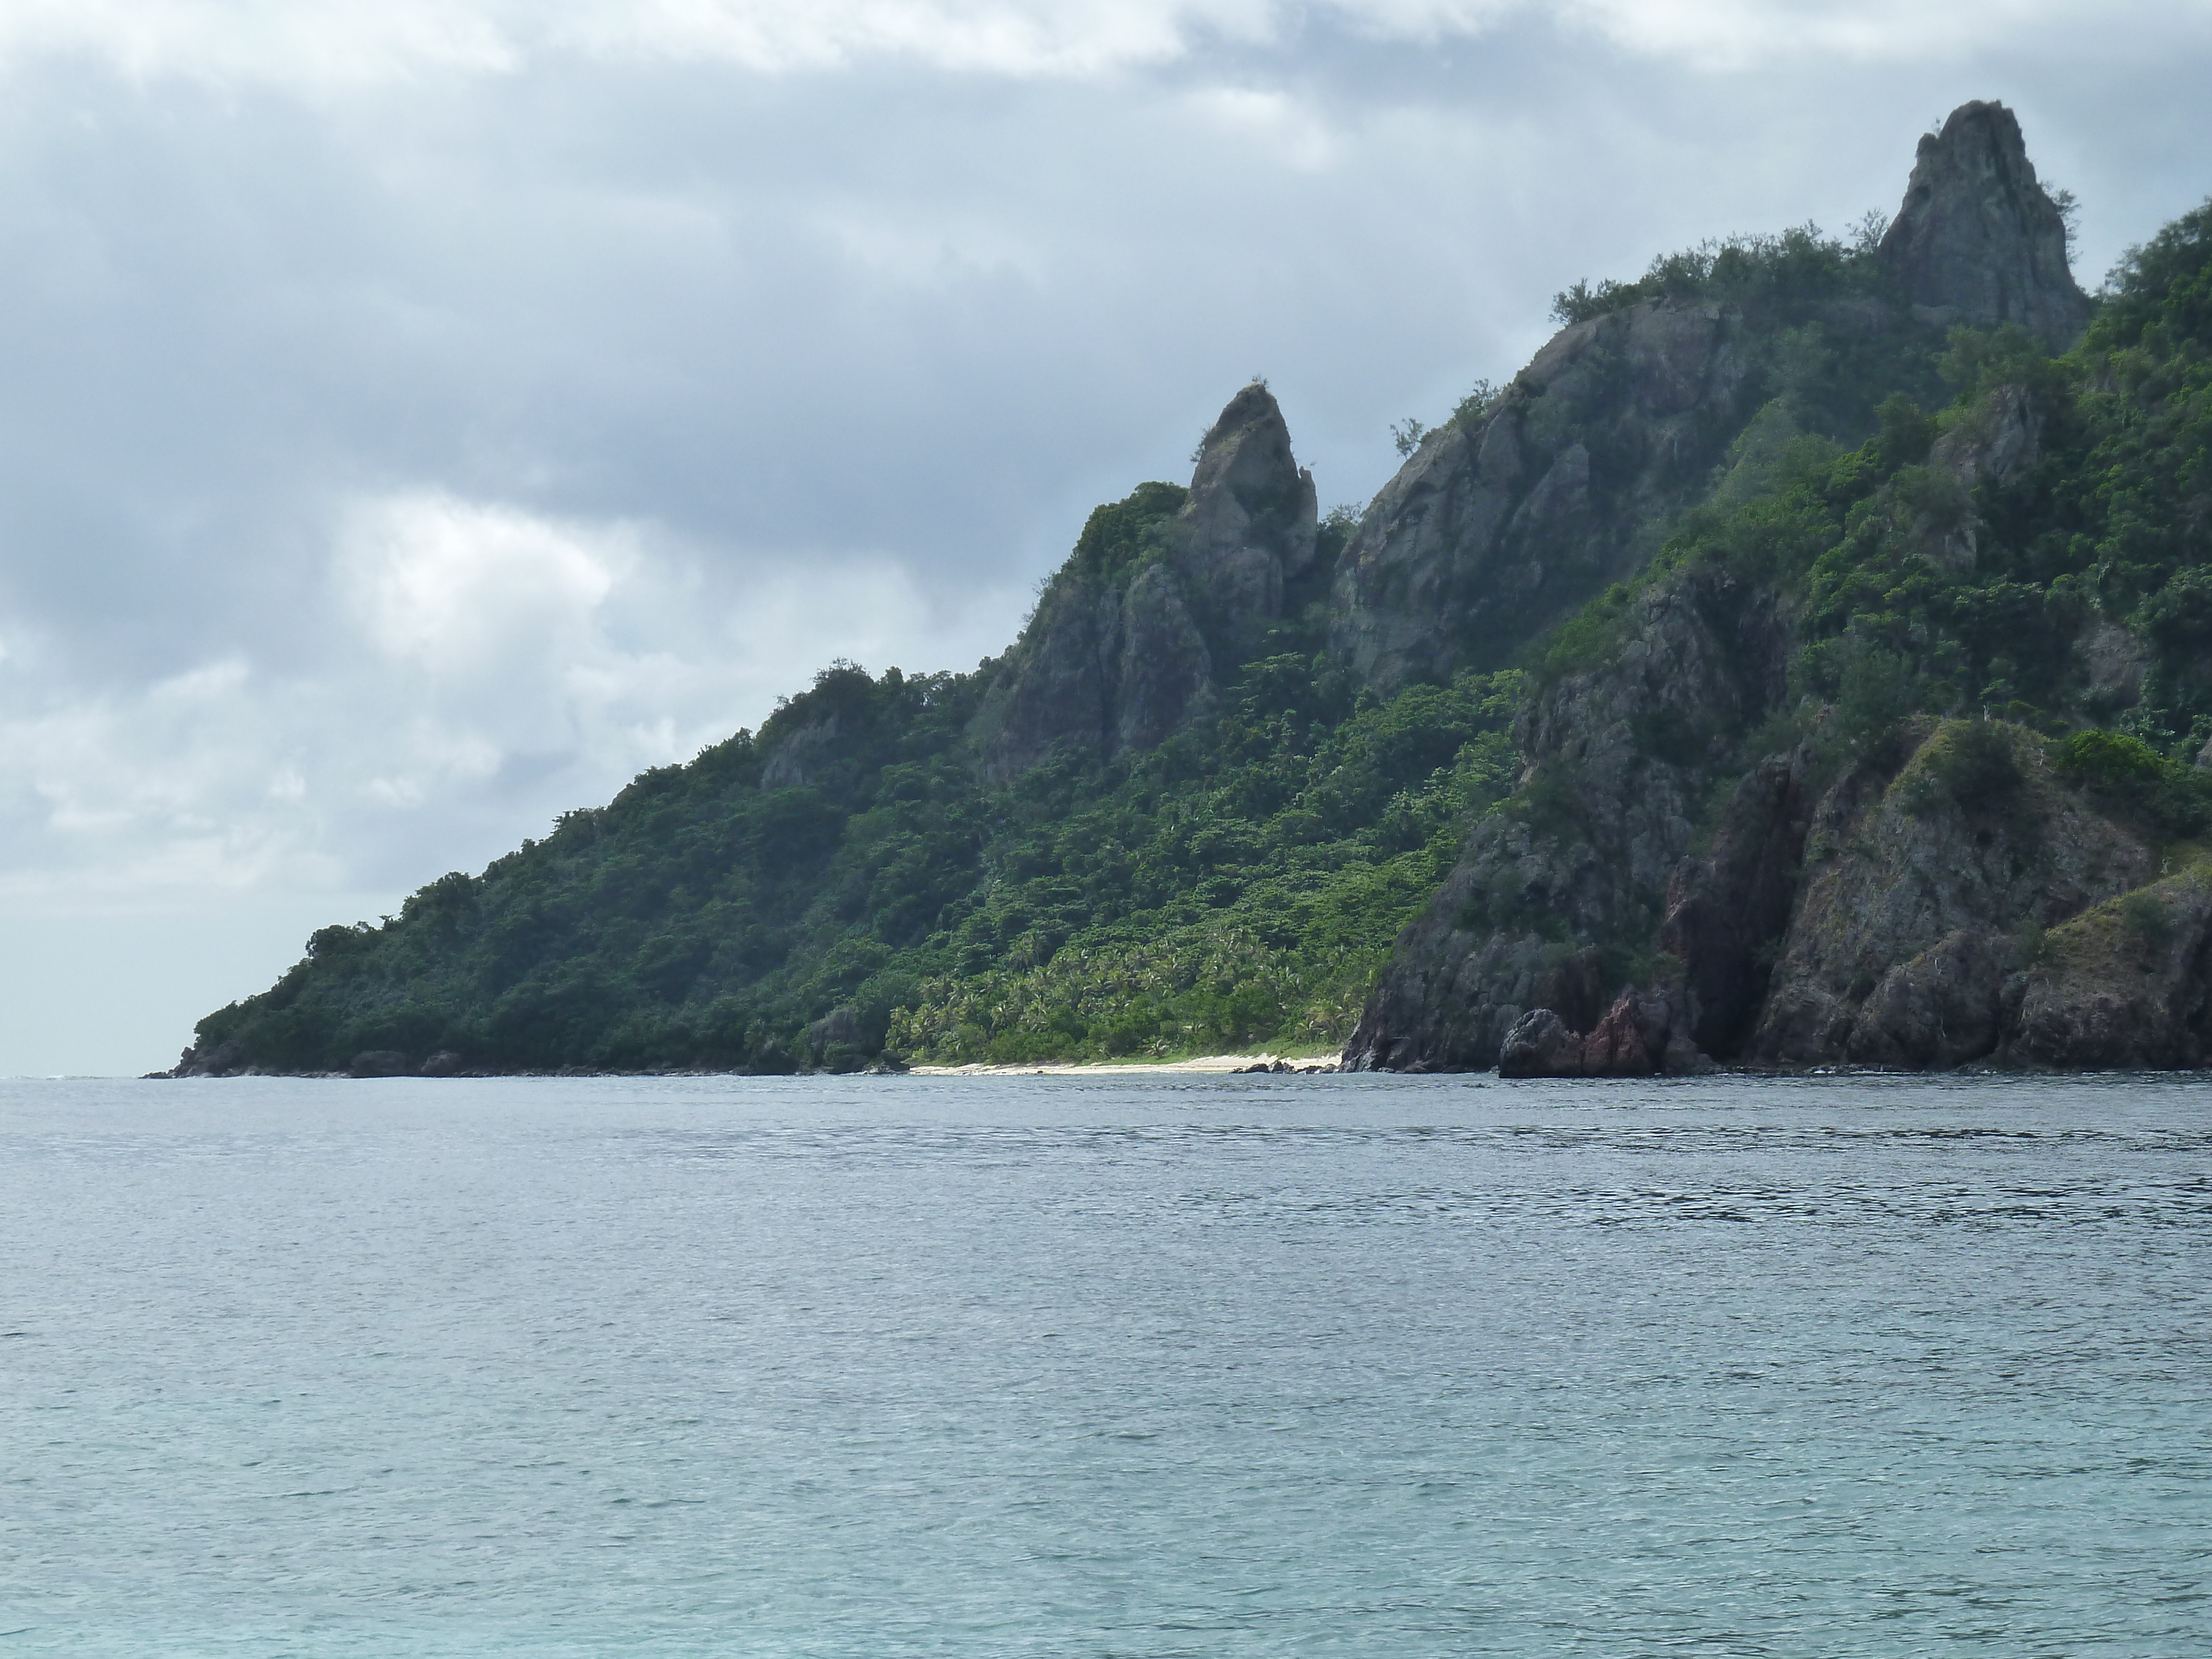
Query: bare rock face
point(225, 1059)
point(1728, 910)
point(1493, 529)
point(1164, 676)
point(1583, 862)
point(1123, 656)
point(1978, 240)
point(1248, 530)
point(2128, 984)
point(1916, 894)
point(2004, 434)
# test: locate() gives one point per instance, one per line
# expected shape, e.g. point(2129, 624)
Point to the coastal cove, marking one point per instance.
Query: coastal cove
point(1143, 1364)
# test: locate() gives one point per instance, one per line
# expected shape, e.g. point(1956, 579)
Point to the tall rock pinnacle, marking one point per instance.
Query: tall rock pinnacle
point(1129, 648)
point(1249, 525)
point(1978, 240)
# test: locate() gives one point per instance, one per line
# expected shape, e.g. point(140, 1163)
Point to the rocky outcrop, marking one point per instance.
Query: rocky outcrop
point(2128, 984)
point(224, 1059)
point(1131, 641)
point(1556, 893)
point(1978, 240)
point(2002, 436)
point(1917, 894)
point(1497, 526)
point(1636, 1038)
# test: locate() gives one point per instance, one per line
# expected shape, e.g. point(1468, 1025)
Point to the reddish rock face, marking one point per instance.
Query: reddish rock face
point(1630, 1040)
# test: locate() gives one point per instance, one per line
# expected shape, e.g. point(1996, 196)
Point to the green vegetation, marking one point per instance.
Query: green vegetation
point(1913, 594)
point(797, 897)
point(1749, 271)
point(845, 880)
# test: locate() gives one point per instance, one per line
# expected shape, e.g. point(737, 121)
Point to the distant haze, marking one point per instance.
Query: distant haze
point(418, 419)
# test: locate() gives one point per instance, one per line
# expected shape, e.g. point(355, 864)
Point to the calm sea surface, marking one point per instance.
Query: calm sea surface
point(1151, 1366)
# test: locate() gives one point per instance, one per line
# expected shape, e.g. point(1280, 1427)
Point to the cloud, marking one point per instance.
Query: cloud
point(335, 44)
point(1736, 35)
point(466, 590)
point(418, 419)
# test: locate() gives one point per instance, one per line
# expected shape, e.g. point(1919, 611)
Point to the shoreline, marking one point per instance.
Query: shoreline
point(1197, 1066)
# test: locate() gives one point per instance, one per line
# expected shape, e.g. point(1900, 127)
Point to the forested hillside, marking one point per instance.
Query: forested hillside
point(1800, 573)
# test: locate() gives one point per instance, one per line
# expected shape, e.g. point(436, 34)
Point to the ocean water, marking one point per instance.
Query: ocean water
point(1145, 1366)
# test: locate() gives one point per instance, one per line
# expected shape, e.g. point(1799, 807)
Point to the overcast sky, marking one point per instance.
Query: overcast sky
point(417, 417)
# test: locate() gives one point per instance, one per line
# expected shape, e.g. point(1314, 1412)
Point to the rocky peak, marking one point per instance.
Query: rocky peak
point(1247, 531)
point(1122, 655)
point(1249, 490)
point(1978, 240)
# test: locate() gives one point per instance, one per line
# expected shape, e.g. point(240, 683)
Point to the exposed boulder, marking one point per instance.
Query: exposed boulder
point(1978, 240)
point(1129, 647)
point(379, 1063)
point(2114, 663)
point(1635, 1038)
point(1939, 1009)
point(1541, 1045)
point(2001, 437)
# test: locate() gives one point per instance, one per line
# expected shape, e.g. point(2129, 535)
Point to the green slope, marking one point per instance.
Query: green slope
point(843, 878)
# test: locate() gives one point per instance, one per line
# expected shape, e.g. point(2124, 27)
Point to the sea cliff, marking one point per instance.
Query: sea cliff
point(1801, 662)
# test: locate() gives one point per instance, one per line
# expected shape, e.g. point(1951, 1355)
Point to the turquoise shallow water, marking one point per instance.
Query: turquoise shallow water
point(1156, 1366)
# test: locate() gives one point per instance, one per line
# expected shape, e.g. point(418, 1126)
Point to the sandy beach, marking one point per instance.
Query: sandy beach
point(1200, 1063)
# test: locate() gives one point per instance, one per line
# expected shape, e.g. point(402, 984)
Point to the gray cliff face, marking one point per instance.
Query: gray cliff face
point(1915, 903)
point(2126, 985)
point(1247, 533)
point(1122, 657)
point(1890, 916)
point(1493, 531)
point(1552, 895)
point(1976, 239)
point(2027, 931)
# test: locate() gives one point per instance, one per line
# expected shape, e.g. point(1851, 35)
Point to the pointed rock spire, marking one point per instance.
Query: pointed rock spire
point(1249, 527)
point(1125, 650)
point(1978, 240)
point(1248, 489)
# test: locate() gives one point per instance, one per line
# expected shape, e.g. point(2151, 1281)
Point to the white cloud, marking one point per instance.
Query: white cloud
point(318, 42)
point(464, 589)
point(1741, 33)
point(1273, 123)
point(480, 665)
